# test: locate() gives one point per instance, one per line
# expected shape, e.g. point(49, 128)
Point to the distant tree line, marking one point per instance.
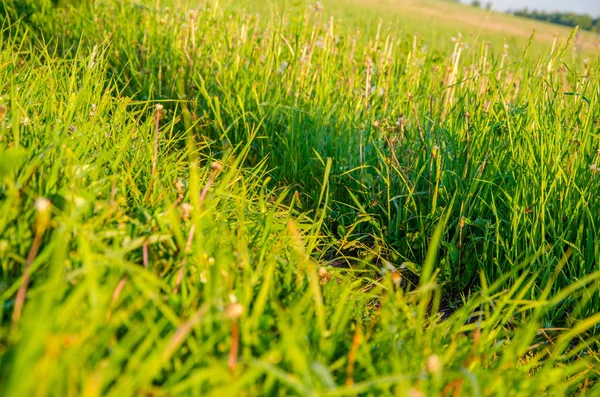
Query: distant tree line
point(584, 21)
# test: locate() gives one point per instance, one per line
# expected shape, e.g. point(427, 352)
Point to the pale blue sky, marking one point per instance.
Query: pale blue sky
point(591, 7)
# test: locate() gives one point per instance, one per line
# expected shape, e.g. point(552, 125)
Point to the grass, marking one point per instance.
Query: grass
point(449, 16)
point(226, 202)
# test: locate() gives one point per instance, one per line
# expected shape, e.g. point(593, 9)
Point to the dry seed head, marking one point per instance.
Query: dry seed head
point(179, 185)
point(434, 364)
point(42, 219)
point(234, 311)
point(477, 334)
point(42, 205)
point(2, 112)
point(396, 278)
point(186, 210)
point(216, 166)
point(319, 7)
point(415, 393)
point(324, 274)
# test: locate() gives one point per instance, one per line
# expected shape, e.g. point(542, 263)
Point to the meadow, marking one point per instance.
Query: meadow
point(336, 198)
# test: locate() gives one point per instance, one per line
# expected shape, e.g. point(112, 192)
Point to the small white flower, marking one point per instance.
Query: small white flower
point(320, 43)
point(283, 67)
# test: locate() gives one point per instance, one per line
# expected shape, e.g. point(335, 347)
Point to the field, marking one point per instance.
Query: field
point(357, 197)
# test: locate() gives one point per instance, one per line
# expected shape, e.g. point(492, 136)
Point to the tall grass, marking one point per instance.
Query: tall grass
point(199, 200)
point(509, 138)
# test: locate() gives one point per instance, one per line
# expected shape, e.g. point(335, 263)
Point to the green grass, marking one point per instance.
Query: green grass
point(263, 201)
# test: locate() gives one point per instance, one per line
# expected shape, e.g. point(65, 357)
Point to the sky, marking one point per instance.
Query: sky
point(591, 7)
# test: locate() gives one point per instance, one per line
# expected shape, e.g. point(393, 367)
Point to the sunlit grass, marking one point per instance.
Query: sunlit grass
point(206, 200)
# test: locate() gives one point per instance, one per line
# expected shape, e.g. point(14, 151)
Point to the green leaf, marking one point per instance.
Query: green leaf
point(12, 159)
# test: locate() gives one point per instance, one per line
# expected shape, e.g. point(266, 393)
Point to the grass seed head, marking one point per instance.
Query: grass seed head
point(186, 210)
point(396, 278)
point(42, 219)
point(216, 166)
point(160, 109)
point(234, 311)
point(413, 392)
point(434, 364)
point(180, 188)
point(324, 274)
